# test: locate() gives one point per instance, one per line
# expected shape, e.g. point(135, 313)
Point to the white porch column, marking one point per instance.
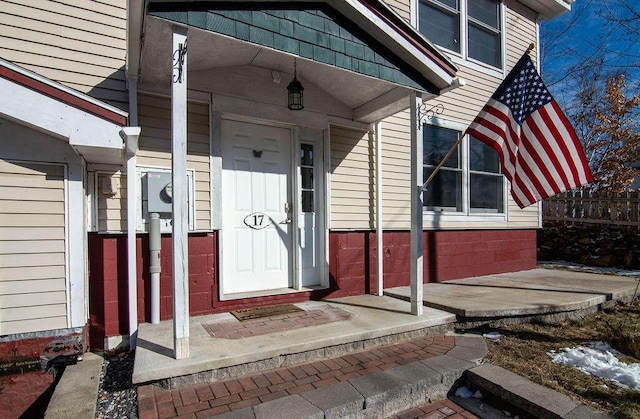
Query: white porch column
point(379, 228)
point(416, 206)
point(179, 199)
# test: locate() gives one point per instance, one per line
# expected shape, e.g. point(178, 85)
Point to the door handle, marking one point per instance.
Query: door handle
point(286, 221)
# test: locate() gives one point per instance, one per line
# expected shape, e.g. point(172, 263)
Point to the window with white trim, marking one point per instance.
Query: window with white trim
point(307, 185)
point(469, 183)
point(471, 28)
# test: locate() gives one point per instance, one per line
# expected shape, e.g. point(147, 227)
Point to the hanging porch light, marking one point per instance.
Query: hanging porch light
point(295, 91)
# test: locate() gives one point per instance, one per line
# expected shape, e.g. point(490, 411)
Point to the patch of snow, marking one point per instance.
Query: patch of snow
point(599, 359)
point(603, 347)
point(464, 393)
point(494, 336)
point(591, 269)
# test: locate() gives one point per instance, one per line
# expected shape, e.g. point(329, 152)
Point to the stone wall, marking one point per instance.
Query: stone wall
point(590, 244)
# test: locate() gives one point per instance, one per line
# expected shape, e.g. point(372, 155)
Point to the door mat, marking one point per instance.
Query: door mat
point(260, 312)
point(231, 328)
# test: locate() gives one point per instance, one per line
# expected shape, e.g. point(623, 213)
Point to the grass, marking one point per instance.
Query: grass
point(523, 350)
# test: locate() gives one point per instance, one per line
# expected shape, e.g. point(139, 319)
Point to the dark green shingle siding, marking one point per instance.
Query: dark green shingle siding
point(317, 34)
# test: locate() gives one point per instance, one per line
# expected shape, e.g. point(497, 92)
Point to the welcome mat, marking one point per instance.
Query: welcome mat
point(231, 328)
point(260, 312)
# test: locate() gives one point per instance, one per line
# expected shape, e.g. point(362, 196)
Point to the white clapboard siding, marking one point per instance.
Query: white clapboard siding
point(32, 247)
point(112, 209)
point(79, 43)
point(401, 7)
point(352, 179)
point(32, 286)
point(154, 116)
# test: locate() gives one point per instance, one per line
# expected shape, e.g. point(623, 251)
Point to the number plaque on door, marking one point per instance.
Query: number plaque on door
point(257, 220)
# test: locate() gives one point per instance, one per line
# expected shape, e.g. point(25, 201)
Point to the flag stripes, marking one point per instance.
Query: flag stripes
point(539, 151)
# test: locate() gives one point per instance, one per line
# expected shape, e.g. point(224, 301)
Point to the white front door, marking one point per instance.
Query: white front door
point(256, 242)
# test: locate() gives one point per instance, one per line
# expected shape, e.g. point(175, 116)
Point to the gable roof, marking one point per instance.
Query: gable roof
point(363, 36)
point(90, 126)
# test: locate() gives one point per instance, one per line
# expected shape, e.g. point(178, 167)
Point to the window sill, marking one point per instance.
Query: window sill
point(478, 66)
point(432, 216)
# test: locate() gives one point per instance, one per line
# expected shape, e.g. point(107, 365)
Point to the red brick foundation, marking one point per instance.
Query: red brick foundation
point(447, 255)
point(108, 284)
point(352, 270)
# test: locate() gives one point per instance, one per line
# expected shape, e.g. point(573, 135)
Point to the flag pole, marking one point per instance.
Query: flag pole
point(444, 160)
point(530, 48)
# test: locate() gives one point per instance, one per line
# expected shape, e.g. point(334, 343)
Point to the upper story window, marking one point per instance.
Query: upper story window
point(469, 183)
point(448, 22)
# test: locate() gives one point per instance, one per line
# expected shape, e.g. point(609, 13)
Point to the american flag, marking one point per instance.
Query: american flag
point(538, 148)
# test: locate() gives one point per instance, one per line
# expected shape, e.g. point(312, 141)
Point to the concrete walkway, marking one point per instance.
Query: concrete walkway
point(365, 321)
point(76, 394)
point(520, 294)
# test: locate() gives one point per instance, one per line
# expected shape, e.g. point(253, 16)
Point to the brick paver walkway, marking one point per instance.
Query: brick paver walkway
point(205, 400)
point(438, 410)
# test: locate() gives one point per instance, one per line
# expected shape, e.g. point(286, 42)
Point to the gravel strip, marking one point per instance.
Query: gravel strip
point(117, 397)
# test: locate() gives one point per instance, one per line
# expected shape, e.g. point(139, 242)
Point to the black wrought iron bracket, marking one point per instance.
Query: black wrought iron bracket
point(427, 112)
point(179, 56)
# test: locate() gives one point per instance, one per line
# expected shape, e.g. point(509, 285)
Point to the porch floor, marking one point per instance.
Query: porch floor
point(537, 292)
point(258, 345)
point(221, 346)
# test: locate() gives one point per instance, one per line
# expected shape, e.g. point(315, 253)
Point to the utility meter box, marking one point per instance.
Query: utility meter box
point(159, 192)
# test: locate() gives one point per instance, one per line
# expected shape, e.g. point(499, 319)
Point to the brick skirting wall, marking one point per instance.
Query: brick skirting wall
point(352, 270)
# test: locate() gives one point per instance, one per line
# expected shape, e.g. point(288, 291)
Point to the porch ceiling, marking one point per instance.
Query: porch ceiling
point(227, 60)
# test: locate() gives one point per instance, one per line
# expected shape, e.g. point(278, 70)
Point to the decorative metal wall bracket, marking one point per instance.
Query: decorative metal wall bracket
point(179, 56)
point(427, 112)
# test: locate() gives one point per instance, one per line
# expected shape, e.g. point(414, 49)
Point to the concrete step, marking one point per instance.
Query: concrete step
point(512, 392)
point(348, 390)
point(377, 395)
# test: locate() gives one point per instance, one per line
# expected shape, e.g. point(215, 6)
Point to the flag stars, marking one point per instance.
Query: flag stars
point(525, 93)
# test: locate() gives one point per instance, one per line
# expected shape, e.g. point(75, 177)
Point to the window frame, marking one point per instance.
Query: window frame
point(462, 57)
point(466, 215)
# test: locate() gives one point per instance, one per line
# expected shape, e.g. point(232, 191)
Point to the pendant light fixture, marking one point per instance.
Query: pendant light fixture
point(295, 91)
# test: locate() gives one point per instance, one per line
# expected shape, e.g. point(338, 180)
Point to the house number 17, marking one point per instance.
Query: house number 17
point(257, 220)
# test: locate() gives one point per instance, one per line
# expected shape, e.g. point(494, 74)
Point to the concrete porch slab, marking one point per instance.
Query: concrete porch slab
point(534, 292)
point(373, 319)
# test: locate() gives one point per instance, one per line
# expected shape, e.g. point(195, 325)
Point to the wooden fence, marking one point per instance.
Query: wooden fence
point(593, 208)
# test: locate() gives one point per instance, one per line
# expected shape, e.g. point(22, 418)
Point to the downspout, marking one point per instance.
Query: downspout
point(379, 228)
point(132, 212)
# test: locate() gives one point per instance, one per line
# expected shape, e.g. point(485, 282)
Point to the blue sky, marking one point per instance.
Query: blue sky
point(583, 34)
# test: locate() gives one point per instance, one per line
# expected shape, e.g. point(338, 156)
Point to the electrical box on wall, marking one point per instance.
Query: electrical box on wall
point(155, 195)
point(159, 192)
